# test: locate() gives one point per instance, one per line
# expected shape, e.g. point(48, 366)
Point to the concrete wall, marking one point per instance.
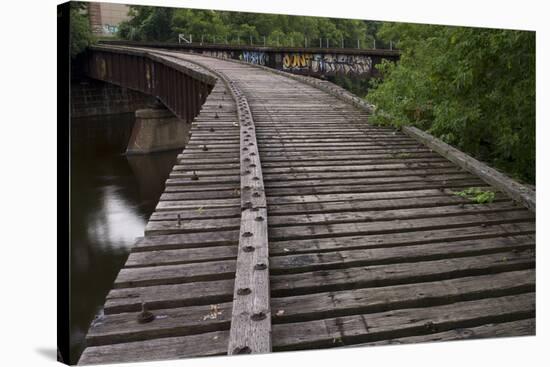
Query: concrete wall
point(92, 98)
point(156, 130)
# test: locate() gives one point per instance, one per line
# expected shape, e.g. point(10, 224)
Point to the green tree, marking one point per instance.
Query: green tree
point(148, 23)
point(80, 31)
point(206, 23)
point(474, 88)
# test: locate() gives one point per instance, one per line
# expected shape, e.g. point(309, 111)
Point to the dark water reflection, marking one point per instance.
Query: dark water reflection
point(112, 196)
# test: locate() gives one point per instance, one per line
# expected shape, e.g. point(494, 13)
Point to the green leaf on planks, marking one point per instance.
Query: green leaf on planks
point(476, 195)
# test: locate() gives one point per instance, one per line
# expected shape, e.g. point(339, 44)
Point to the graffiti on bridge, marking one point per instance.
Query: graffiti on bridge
point(254, 57)
point(219, 54)
point(110, 29)
point(327, 63)
point(303, 62)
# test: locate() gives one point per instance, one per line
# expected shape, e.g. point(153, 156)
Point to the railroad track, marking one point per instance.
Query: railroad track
point(362, 238)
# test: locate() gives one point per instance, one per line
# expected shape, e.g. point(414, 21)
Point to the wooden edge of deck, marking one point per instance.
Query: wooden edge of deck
point(514, 189)
point(250, 330)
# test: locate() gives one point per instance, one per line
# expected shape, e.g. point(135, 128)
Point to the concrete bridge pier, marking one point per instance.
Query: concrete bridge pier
point(157, 129)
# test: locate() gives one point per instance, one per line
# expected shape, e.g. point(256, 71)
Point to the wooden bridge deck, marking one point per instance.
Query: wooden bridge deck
point(367, 242)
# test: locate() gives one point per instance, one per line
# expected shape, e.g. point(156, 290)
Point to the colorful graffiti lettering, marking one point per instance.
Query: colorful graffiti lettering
point(110, 29)
point(296, 61)
point(218, 54)
point(327, 63)
point(253, 57)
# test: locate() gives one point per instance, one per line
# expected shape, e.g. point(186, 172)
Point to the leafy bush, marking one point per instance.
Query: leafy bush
point(80, 31)
point(473, 88)
point(148, 23)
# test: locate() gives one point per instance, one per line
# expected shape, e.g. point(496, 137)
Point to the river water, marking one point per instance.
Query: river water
point(112, 197)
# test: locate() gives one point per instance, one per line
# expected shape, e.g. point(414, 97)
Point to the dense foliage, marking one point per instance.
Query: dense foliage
point(164, 24)
point(80, 31)
point(474, 88)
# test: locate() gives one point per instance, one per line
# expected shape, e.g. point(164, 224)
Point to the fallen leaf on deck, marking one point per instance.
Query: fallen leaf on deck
point(214, 313)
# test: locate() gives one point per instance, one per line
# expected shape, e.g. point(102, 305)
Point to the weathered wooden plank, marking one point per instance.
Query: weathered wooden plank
point(358, 196)
point(212, 151)
point(203, 187)
point(277, 152)
point(204, 173)
point(191, 166)
point(170, 274)
point(361, 167)
point(391, 214)
point(373, 205)
point(208, 344)
point(123, 327)
point(427, 236)
point(349, 330)
point(204, 181)
point(181, 256)
point(187, 240)
point(400, 273)
point(191, 225)
point(197, 204)
point(169, 296)
point(334, 143)
point(360, 149)
point(495, 330)
point(325, 160)
point(307, 135)
point(231, 212)
point(454, 185)
point(389, 255)
point(314, 182)
point(201, 158)
point(331, 136)
point(395, 226)
point(370, 300)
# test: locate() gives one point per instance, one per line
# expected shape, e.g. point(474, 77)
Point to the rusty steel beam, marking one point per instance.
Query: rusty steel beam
point(180, 89)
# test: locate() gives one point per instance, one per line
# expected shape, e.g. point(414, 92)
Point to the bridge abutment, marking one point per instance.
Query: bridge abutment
point(155, 130)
